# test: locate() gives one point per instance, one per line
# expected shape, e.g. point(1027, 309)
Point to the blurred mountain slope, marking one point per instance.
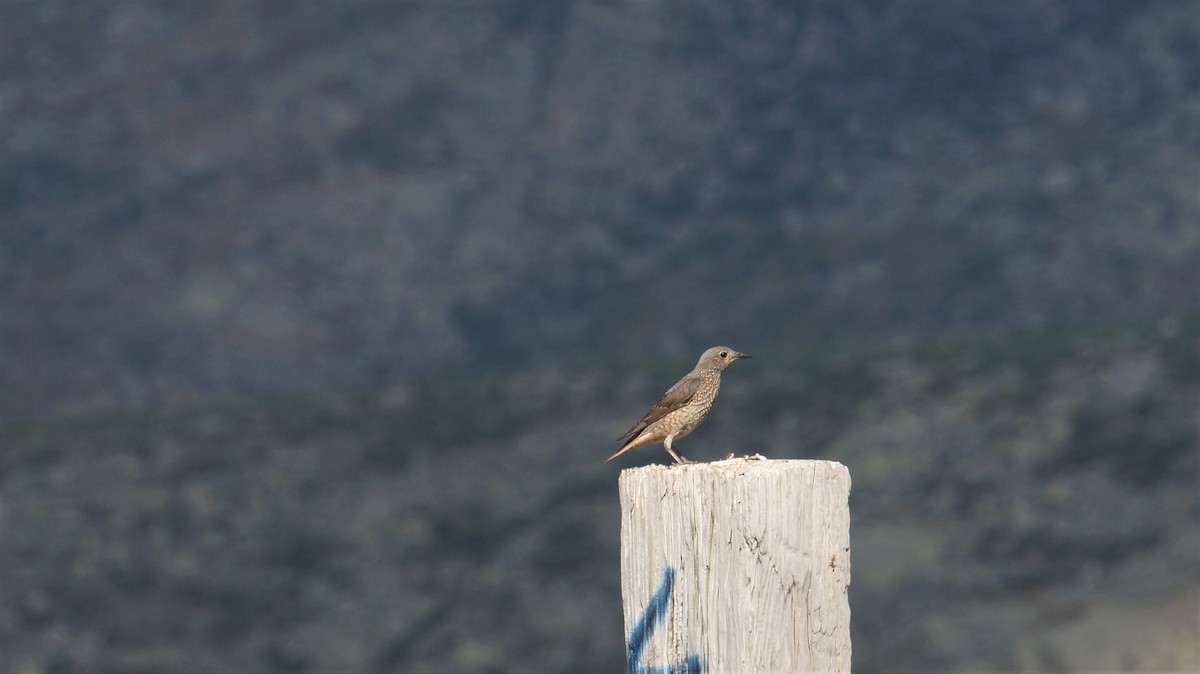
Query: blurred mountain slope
point(357, 533)
point(241, 197)
point(316, 320)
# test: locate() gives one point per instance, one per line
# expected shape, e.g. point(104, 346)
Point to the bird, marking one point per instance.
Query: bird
point(683, 406)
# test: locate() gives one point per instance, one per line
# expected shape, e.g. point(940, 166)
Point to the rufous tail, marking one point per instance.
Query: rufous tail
point(628, 446)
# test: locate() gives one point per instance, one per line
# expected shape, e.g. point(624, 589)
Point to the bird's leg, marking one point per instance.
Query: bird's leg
point(674, 455)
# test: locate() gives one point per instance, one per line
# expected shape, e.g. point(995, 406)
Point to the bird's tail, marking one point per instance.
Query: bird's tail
point(624, 448)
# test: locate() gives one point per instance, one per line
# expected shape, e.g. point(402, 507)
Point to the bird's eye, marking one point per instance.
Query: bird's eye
point(724, 354)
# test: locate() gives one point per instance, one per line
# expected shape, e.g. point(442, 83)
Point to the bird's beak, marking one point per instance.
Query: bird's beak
point(739, 356)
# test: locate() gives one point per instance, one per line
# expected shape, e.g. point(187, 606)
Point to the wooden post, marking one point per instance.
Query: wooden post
point(736, 566)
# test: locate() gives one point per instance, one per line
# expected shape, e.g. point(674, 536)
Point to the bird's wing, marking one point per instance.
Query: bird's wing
point(677, 396)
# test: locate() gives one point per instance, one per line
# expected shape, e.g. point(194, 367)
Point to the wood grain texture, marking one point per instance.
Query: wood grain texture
point(758, 558)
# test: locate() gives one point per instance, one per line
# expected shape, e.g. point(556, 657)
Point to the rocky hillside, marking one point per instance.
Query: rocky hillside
point(1020, 504)
point(242, 197)
point(317, 321)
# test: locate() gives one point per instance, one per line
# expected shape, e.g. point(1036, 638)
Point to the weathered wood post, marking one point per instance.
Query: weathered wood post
point(736, 566)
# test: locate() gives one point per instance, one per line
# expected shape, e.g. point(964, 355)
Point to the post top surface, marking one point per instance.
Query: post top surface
point(738, 466)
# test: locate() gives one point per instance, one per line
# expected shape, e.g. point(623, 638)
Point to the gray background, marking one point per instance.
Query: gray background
point(317, 320)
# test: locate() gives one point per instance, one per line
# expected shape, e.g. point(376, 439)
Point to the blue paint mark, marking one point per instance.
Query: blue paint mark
point(651, 615)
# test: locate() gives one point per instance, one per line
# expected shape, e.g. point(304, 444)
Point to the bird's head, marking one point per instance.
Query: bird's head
point(718, 358)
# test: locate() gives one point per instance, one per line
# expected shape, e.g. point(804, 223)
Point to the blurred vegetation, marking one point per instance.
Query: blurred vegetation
point(272, 530)
point(317, 322)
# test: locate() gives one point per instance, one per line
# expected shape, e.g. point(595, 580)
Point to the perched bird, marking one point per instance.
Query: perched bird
point(683, 406)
